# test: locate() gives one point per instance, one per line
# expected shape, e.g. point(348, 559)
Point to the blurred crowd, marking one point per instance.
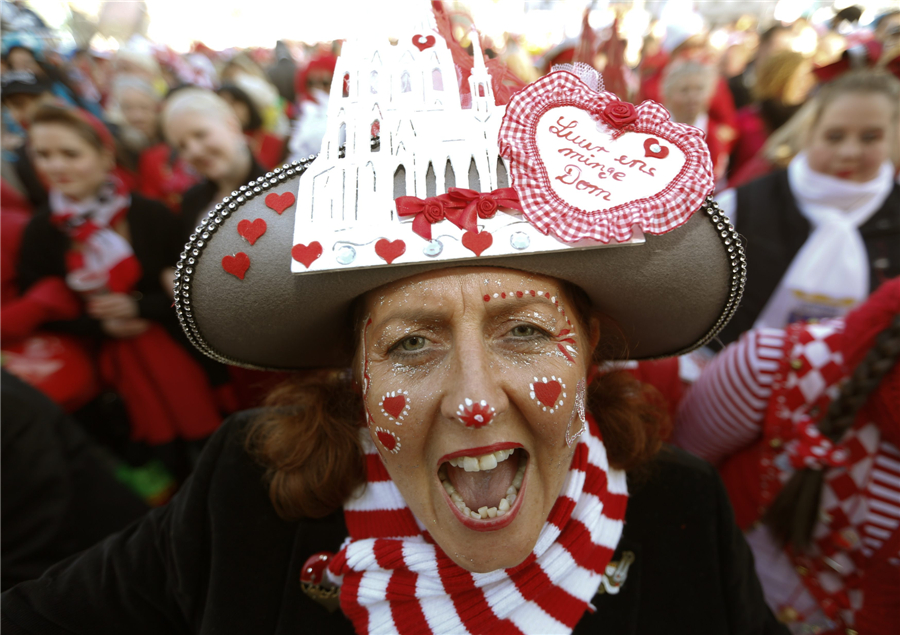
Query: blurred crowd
point(110, 160)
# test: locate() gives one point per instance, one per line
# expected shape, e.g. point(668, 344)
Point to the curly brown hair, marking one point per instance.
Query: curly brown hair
point(308, 436)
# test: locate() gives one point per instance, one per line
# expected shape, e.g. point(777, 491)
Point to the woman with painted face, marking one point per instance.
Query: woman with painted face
point(208, 135)
point(115, 250)
point(465, 469)
point(823, 233)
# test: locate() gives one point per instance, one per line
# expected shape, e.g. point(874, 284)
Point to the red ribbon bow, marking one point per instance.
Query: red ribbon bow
point(475, 205)
point(427, 212)
point(460, 206)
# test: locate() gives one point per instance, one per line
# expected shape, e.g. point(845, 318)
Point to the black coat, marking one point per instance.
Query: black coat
point(59, 495)
point(774, 230)
point(218, 559)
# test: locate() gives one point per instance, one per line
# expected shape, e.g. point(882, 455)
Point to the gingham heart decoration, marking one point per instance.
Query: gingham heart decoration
point(588, 166)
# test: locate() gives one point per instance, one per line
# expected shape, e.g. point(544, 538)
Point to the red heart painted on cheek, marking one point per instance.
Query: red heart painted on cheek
point(477, 242)
point(388, 440)
point(251, 230)
point(280, 202)
point(547, 392)
point(394, 405)
point(654, 149)
point(306, 254)
point(389, 251)
point(422, 42)
point(237, 264)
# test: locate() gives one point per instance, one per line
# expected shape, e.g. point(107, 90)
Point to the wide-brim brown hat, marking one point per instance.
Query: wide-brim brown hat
point(564, 181)
point(668, 296)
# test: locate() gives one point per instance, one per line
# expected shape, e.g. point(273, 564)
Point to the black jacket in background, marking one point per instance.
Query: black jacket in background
point(774, 230)
point(198, 199)
point(156, 243)
point(218, 559)
point(58, 494)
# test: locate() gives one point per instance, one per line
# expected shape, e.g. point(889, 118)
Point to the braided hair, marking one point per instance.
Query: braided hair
point(793, 514)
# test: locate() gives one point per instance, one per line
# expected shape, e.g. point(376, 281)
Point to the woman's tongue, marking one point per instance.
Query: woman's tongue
point(486, 487)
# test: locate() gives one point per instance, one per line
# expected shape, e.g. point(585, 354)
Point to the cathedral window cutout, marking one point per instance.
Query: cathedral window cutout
point(346, 83)
point(342, 137)
point(399, 181)
point(502, 175)
point(437, 79)
point(449, 176)
point(474, 180)
point(481, 90)
point(375, 130)
point(373, 82)
point(430, 182)
point(405, 82)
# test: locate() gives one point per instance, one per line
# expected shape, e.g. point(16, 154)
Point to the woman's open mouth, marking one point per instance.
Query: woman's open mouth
point(483, 485)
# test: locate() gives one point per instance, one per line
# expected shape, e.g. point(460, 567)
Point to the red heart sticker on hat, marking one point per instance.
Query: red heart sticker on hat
point(654, 149)
point(388, 440)
point(423, 42)
point(251, 230)
point(237, 264)
point(394, 405)
point(306, 254)
point(388, 250)
point(477, 242)
point(280, 202)
point(547, 392)
point(579, 162)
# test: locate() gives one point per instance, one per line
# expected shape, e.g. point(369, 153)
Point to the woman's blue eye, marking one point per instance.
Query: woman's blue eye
point(414, 343)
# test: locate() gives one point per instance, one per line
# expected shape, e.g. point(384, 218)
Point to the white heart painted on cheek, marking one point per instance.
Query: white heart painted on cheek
point(593, 179)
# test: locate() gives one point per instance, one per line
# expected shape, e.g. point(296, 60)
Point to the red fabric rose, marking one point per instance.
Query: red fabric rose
point(619, 114)
point(433, 210)
point(487, 207)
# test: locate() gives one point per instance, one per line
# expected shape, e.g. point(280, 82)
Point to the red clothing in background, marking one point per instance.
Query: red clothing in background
point(267, 148)
point(57, 365)
point(165, 177)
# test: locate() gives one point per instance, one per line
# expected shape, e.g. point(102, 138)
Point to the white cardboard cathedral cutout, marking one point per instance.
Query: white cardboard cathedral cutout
point(429, 143)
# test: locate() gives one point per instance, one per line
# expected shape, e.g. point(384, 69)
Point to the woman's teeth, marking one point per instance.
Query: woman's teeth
point(483, 462)
point(476, 464)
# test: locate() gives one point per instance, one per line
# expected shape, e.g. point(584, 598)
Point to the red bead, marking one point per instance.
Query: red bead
point(313, 571)
point(487, 298)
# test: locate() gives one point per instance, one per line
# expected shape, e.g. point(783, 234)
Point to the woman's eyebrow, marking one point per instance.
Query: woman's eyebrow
point(410, 317)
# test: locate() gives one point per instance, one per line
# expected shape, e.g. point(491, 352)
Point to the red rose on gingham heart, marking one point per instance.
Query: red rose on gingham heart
point(610, 190)
point(619, 114)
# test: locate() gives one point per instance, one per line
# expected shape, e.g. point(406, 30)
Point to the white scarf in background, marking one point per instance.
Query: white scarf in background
point(105, 257)
point(830, 273)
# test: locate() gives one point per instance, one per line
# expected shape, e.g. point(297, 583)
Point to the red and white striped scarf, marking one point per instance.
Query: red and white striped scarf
point(394, 579)
point(105, 259)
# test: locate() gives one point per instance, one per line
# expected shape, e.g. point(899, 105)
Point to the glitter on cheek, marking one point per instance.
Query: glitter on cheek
point(367, 380)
